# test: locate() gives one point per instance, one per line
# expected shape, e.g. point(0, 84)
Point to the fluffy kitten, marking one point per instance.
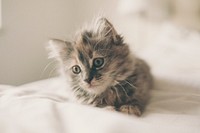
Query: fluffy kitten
point(101, 70)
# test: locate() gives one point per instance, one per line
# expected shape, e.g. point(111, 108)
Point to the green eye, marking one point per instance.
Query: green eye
point(76, 69)
point(98, 62)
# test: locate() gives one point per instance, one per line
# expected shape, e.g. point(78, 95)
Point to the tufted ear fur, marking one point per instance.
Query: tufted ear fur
point(106, 30)
point(59, 49)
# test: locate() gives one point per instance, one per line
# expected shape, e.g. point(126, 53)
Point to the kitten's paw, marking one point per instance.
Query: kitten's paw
point(130, 109)
point(110, 108)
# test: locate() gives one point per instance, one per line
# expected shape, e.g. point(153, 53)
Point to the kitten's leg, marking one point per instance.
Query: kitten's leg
point(142, 86)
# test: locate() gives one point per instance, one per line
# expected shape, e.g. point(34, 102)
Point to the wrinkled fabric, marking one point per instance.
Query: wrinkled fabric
point(174, 107)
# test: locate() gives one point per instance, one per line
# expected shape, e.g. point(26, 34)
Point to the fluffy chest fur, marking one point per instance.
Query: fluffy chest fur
point(114, 95)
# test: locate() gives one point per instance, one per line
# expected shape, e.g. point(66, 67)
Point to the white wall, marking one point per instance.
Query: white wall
point(0, 14)
point(27, 25)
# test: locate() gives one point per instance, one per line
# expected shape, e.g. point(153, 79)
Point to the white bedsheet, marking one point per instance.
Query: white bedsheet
point(42, 107)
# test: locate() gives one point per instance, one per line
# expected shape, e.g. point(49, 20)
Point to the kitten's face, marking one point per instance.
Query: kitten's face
point(90, 68)
point(95, 61)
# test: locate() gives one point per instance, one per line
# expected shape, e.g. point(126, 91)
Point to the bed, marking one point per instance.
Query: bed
point(174, 107)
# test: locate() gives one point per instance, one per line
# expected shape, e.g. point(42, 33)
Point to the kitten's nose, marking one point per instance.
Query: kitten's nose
point(88, 80)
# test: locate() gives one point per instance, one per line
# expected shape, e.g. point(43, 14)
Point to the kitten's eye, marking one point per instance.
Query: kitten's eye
point(76, 69)
point(98, 62)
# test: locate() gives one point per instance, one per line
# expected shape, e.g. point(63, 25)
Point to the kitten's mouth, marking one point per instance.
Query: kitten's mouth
point(94, 88)
point(90, 86)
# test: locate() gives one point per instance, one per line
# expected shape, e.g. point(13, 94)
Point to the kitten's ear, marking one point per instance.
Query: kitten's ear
point(59, 49)
point(106, 29)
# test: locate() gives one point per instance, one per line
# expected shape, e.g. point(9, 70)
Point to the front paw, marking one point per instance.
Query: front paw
point(130, 109)
point(109, 108)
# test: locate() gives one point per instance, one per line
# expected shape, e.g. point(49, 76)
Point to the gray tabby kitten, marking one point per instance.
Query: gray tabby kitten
point(101, 70)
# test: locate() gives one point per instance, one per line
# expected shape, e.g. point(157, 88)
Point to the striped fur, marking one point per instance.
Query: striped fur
point(122, 81)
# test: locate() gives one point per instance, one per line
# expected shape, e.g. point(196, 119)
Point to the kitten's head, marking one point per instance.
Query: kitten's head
point(97, 58)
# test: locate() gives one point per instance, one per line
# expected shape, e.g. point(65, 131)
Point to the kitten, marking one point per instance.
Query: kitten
point(101, 70)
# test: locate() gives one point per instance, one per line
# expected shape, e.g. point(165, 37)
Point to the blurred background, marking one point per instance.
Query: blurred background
point(26, 26)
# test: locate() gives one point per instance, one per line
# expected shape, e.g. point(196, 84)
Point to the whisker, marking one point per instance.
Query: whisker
point(122, 88)
point(45, 68)
point(51, 72)
point(98, 41)
point(76, 89)
point(108, 32)
point(131, 84)
point(117, 93)
point(74, 86)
